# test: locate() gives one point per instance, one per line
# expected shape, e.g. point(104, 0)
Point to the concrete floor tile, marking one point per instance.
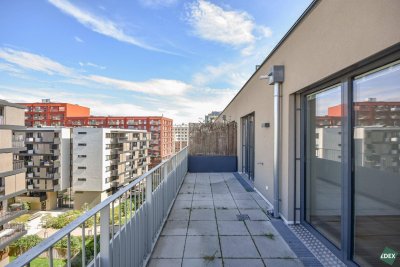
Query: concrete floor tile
point(255, 214)
point(261, 228)
point(224, 204)
point(227, 214)
point(283, 263)
point(238, 247)
point(202, 228)
point(179, 215)
point(202, 215)
point(202, 246)
point(165, 263)
point(182, 204)
point(243, 262)
point(187, 197)
point(202, 204)
point(247, 204)
point(242, 196)
point(274, 247)
point(169, 247)
point(222, 197)
point(175, 228)
point(232, 228)
point(208, 262)
point(202, 197)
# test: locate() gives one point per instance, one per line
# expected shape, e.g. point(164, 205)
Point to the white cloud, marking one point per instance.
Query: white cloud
point(100, 25)
point(154, 86)
point(43, 64)
point(158, 3)
point(79, 40)
point(235, 28)
point(90, 64)
point(34, 62)
point(230, 73)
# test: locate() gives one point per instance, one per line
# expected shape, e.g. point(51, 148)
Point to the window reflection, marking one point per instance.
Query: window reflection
point(323, 162)
point(377, 161)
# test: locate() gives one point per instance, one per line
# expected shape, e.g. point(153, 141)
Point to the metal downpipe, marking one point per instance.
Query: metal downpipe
point(277, 146)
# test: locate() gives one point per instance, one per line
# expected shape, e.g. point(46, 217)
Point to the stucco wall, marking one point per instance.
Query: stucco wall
point(333, 36)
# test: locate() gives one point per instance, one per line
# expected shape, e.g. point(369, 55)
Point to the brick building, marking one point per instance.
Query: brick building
point(47, 113)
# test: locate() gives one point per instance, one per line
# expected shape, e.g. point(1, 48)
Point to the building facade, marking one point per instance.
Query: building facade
point(211, 117)
point(329, 156)
point(161, 143)
point(48, 161)
point(12, 175)
point(105, 159)
point(181, 136)
point(48, 113)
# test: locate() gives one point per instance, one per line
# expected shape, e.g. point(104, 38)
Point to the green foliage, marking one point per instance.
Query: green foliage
point(75, 244)
point(89, 251)
point(27, 205)
point(60, 221)
point(22, 219)
point(44, 262)
point(25, 243)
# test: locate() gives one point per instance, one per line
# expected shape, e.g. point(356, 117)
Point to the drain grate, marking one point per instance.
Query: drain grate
point(242, 217)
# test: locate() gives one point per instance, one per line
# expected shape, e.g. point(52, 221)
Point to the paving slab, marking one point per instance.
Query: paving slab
point(255, 214)
point(175, 228)
point(261, 228)
point(226, 214)
point(283, 263)
point(202, 246)
point(243, 263)
point(274, 247)
point(165, 262)
point(238, 247)
point(202, 228)
point(169, 247)
point(232, 228)
point(202, 215)
point(208, 262)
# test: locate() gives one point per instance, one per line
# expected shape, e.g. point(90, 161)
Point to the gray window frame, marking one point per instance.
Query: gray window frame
point(345, 77)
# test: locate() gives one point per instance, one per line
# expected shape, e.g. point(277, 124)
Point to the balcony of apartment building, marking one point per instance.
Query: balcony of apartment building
point(11, 212)
point(42, 185)
point(10, 233)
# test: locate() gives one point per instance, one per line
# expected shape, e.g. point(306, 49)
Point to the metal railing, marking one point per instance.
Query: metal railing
point(126, 225)
point(18, 164)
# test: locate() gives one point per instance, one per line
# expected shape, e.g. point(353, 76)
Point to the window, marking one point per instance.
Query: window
point(247, 145)
point(108, 135)
point(323, 168)
point(82, 132)
point(376, 137)
point(82, 179)
point(81, 144)
point(81, 156)
point(81, 168)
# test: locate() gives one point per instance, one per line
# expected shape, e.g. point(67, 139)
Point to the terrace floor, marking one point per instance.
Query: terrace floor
point(204, 227)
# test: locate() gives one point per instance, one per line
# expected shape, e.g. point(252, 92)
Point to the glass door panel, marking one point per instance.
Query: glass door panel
point(377, 159)
point(323, 162)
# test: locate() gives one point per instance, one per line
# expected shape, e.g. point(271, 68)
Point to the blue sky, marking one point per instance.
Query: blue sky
point(178, 58)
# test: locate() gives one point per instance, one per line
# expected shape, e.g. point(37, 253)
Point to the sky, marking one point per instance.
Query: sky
point(177, 58)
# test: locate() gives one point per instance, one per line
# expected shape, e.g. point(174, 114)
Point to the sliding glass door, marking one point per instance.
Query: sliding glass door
point(248, 146)
point(351, 164)
point(377, 163)
point(323, 161)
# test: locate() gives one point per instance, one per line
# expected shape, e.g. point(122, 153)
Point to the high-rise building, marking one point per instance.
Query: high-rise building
point(48, 163)
point(48, 113)
point(12, 174)
point(105, 159)
point(181, 136)
point(161, 144)
point(212, 116)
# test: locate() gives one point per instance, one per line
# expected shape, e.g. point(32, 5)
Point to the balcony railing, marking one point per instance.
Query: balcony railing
point(129, 242)
point(18, 164)
point(2, 121)
point(10, 233)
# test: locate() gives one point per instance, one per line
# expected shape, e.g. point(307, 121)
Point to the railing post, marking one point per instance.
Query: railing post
point(105, 253)
point(149, 191)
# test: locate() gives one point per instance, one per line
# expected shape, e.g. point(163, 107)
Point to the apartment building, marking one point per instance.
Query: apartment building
point(211, 117)
point(105, 159)
point(12, 175)
point(48, 163)
point(161, 143)
point(48, 113)
point(181, 136)
point(319, 130)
